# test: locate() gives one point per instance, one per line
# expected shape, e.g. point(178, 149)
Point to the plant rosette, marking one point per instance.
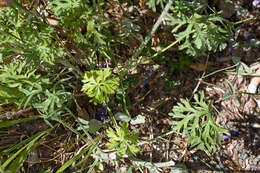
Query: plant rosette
point(99, 84)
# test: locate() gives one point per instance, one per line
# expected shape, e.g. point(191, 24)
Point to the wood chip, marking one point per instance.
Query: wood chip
point(255, 81)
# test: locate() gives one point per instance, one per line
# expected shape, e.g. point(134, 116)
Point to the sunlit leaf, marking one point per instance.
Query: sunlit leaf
point(122, 117)
point(138, 120)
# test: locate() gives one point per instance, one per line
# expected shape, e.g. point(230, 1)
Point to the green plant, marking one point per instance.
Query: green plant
point(169, 84)
point(86, 153)
point(42, 62)
point(53, 101)
point(122, 140)
point(85, 24)
point(195, 29)
point(98, 84)
point(22, 85)
point(241, 69)
point(195, 121)
point(152, 3)
point(184, 61)
point(23, 33)
point(16, 154)
point(17, 80)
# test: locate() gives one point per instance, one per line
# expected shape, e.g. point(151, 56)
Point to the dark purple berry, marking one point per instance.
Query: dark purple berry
point(102, 114)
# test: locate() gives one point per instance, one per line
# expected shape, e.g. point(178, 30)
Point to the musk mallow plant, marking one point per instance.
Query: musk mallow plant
point(99, 84)
point(122, 140)
point(196, 27)
point(194, 120)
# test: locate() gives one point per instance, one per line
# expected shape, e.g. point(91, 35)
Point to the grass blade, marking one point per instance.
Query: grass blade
point(90, 148)
point(17, 158)
point(13, 122)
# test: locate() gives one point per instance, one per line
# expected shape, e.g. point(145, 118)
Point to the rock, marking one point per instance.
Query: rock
point(243, 155)
point(254, 83)
point(256, 160)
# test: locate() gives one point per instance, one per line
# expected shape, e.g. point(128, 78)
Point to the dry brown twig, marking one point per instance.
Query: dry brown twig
point(198, 84)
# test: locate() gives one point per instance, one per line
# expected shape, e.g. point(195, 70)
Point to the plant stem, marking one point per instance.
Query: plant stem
point(245, 20)
point(111, 116)
point(154, 139)
point(217, 71)
point(159, 52)
point(147, 38)
point(121, 82)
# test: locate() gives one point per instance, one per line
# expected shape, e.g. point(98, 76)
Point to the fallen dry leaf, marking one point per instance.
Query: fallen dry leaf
point(53, 22)
point(82, 113)
point(200, 66)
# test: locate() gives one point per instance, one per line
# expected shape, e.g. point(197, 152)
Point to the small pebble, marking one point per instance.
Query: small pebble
point(251, 88)
point(255, 168)
point(195, 158)
point(256, 160)
point(221, 166)
point(131, 9)
point(230, 124)
point(243, 155)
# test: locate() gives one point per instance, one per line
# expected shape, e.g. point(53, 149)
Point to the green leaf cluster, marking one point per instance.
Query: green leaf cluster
point(201, 34)
point(23, 33)
point(99, 84)
point(85, 24)
point(153, 3)
point(122, 140)
point(197, 32)
point(195, 121)
point(16, 80)
point(54, 99)
point(196, 29)
point(20, 84)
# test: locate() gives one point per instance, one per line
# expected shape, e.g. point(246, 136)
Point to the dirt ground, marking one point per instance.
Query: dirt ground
point(240, 152)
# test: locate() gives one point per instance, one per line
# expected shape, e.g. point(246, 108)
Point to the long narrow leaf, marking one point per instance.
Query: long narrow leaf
point(75, 158)
point(13, 122)
point(20, 155)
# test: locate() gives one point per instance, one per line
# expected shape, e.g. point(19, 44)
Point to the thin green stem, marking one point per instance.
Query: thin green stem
point(121, 82)
point(163, 50)
point(217, 71)
point(156, 138)
point(147, 38)
point(159, 52)
point(245, 20)
point(111, 116)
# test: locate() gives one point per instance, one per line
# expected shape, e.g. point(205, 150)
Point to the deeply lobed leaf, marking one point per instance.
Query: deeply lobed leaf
point(194, 121)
